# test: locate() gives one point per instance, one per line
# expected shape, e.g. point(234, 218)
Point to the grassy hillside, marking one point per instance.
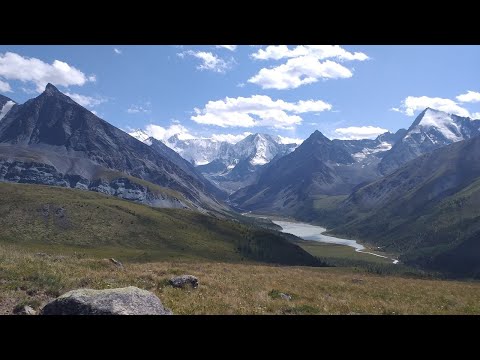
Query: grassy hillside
point(229, 288)
point(46, 218)
point(442, 235)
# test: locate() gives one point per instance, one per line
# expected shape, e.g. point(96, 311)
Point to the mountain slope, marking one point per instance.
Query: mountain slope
point(427, 210)
point(49, 218)
point(296, 177)
point(185, 165)
point(52, 129)
point(431, 130)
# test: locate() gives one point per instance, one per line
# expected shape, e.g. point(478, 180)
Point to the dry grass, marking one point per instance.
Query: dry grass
point(225, 288)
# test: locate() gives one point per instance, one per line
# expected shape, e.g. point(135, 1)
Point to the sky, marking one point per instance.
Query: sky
point(226, 92)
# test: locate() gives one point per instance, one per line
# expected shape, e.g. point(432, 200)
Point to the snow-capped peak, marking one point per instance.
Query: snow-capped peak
point(443, 122)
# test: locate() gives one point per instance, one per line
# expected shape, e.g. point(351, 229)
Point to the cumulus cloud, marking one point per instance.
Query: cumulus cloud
point(228, 47)
point(137, 109)
point(476, 116)
point(209, 61)
point(469, 97)
point(230, 138)
point(5, 87)
point(297, 72)
point(117, 51)
point(412, 104)
point(25, 69)
point(320, 52)
point(257, 110)
point(86, 101)
point(288, 140)
point(305, 65)
point(359, 132)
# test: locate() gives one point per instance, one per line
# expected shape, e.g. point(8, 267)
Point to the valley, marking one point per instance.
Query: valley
point(373, 222)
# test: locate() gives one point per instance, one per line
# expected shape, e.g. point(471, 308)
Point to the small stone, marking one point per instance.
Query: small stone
point(116, 262)
point(184, 280)
point(24, 310)
point(285, 296)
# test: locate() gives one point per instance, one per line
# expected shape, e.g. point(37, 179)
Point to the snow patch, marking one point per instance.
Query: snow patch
point(383, 146)
point(6, 108)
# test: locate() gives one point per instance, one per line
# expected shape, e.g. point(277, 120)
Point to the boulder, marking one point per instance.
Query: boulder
point(183, 281)
point(123, 301)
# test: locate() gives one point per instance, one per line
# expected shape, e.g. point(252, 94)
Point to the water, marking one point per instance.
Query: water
point(315, 233)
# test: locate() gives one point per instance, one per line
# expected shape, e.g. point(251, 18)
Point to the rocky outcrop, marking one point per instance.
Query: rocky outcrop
point(184, 281)
point(124, 188)
point(123, 301)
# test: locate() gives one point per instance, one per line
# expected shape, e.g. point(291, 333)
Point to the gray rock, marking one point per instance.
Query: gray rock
point(184, 280)
point(25, 310)
point(123, 301)
point(285, 296)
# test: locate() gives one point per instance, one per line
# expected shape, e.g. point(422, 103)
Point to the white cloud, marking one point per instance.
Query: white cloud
point(209, 61)
point(476, 116)
point(412, 104)
point(117, 51)
point(288, 140)
point(25, 69)
point(320, 52)
point(304, 65)
point(359, 132)
point(228, 47)
point(299, 71)
point(241, 85)
point(257, 110)
point(5, 87)
point(136, 109)
point(230, 138)
point(469, 97)
point(86, 101)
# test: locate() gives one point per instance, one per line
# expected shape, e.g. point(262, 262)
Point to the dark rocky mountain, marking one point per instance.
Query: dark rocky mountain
point(431, 130)
point(289, 181)
point(428, 210)
point(52, 130)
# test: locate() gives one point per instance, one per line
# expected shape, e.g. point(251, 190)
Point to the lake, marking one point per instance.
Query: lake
point(315, 233)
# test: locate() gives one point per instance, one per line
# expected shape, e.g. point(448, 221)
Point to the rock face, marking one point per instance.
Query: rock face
point(123, 301)
point(122, 187)
point(183, 281)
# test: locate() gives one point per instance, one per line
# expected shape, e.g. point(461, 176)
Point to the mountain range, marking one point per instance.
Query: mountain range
point(415, 192)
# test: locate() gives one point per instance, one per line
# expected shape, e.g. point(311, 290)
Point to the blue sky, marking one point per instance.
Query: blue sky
point(343, 91)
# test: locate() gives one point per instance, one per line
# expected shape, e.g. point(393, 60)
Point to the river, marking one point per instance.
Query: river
point(315, 233)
